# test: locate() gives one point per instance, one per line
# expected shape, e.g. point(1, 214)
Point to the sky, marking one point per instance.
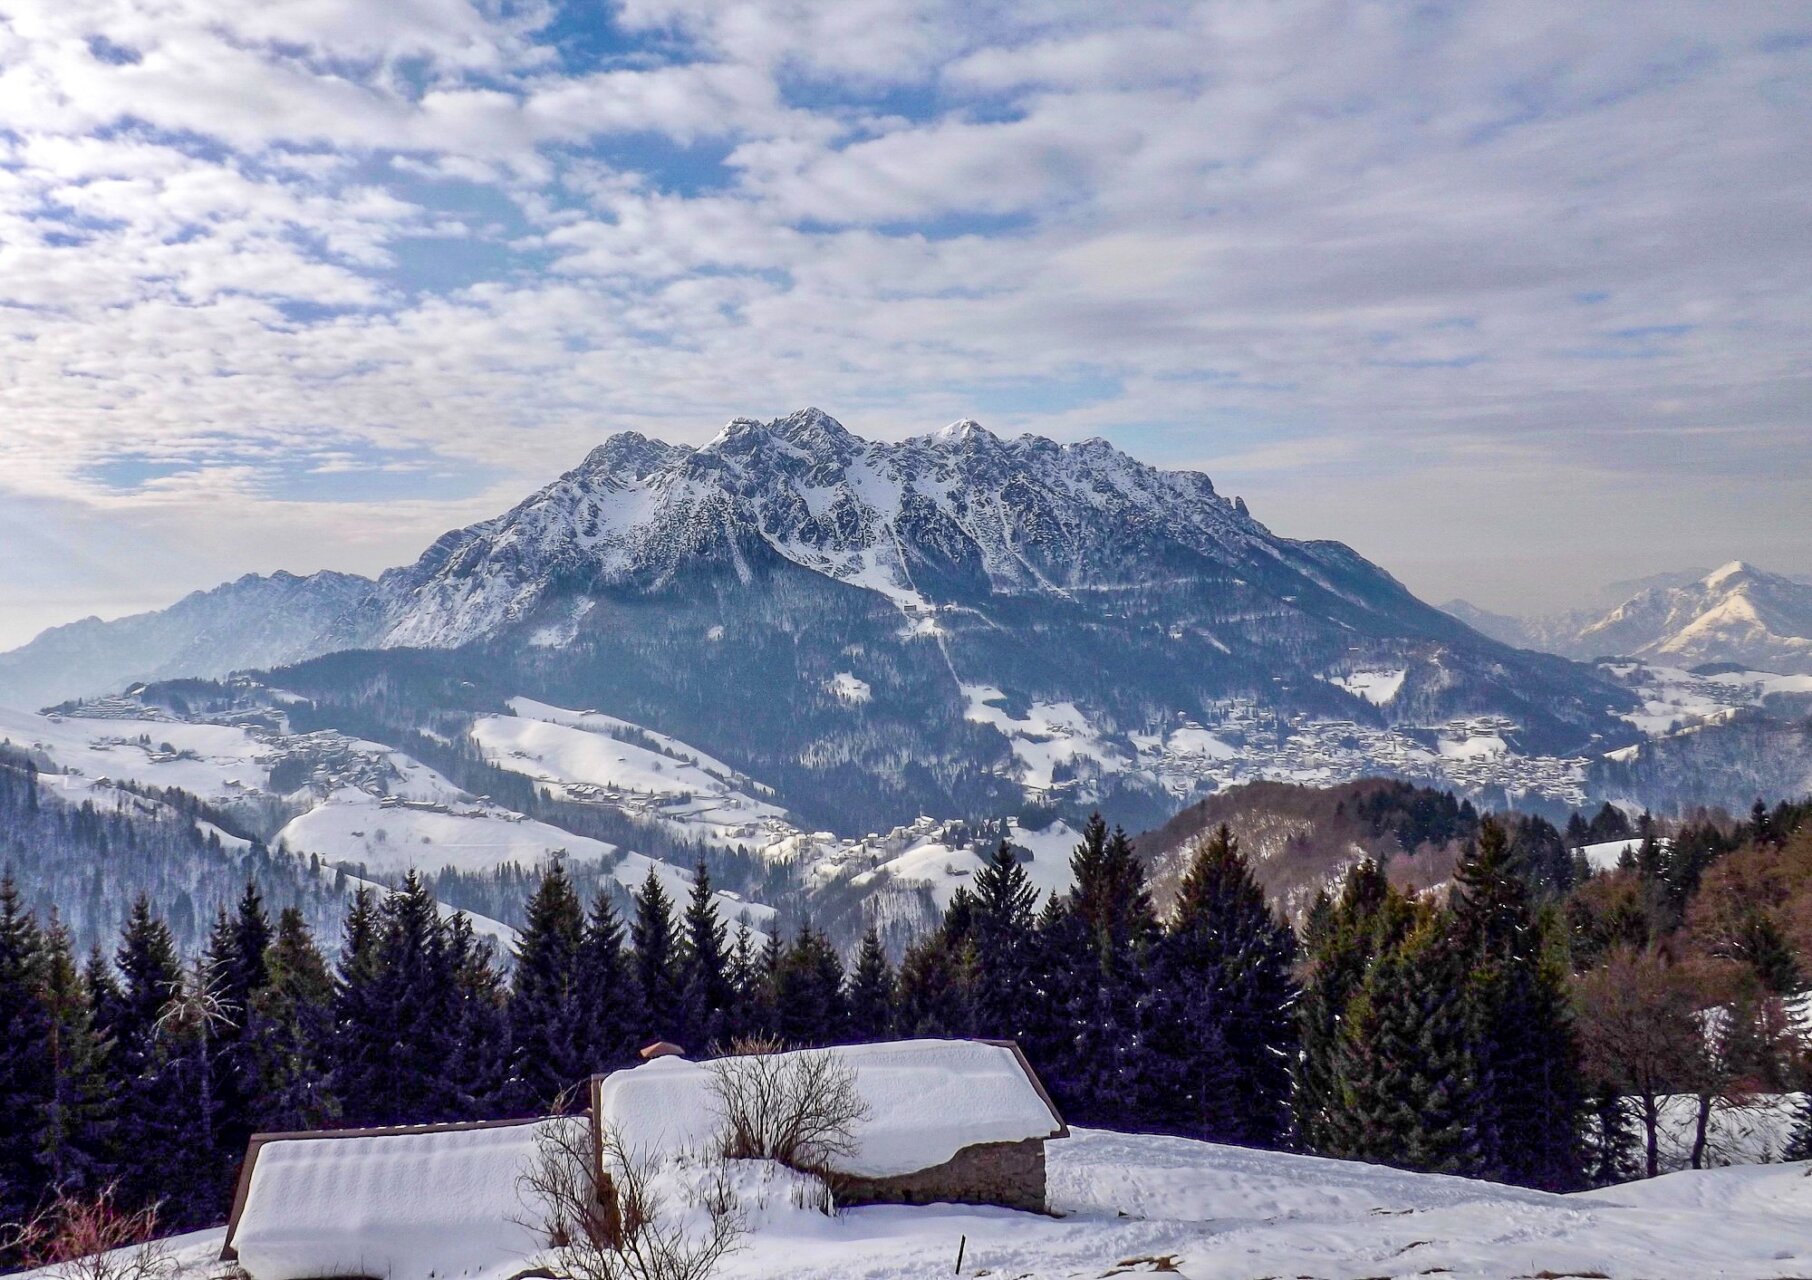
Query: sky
point(1514, 297)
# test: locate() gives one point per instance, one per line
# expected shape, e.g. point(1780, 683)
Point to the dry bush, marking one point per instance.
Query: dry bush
point(92, 1239)
point(623, 1229)
point(800, 1109)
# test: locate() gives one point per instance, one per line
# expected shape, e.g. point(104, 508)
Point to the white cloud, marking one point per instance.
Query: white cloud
point(1313, 242)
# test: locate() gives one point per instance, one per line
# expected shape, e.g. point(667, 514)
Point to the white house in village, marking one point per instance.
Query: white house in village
point(957, 1121)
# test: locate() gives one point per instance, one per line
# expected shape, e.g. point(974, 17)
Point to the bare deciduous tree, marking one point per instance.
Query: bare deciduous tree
point(76, 1238)
point(800, 1109)
point(620, 1227)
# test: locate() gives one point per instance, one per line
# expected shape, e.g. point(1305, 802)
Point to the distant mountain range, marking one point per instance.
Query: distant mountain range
point(1735, 614)
point(951, 623)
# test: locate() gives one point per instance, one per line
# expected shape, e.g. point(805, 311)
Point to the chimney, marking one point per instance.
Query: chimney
point(661, 1049)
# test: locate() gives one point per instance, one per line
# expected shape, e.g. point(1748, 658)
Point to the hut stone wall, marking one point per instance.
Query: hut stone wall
point(1010, 1174)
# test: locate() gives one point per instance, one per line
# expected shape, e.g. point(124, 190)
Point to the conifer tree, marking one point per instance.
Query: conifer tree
point(550, 1041)
point(932, 993)
point(808, 991)
point(1530, 1096)
point(610, 995)
point(1227, 992)
point(476, 1073)
point(1000, 927)
point(292, 1057)
point(707, 997)
point(359, 1035)
point(1404, 1065)
point(1342, 940)
point(28, 1080)
point(74, 1130)
point(236, 973)
point(656, 942)
point(871, 991)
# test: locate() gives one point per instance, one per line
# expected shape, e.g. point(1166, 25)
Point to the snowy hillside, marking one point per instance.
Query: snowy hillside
point(1735, 614)
point(1129, 1205)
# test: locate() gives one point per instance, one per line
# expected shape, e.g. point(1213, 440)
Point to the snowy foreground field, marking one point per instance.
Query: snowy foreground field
point(1135, 1205)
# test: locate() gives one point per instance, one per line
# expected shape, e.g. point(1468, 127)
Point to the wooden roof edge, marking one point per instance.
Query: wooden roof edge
point(1025, 1065)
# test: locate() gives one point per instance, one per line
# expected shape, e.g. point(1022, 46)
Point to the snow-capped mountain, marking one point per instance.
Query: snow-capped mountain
point(256, 621)
point(1736, 614)
point(942, 624)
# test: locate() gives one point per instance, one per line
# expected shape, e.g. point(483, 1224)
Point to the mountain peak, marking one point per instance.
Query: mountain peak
point(1721, 577)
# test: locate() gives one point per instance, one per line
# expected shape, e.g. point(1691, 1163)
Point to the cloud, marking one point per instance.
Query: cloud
point(1315, 243)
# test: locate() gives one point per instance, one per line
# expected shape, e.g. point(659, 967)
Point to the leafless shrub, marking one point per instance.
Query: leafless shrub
point(800, 1109)
point(75, 1238)
point(622, 1227)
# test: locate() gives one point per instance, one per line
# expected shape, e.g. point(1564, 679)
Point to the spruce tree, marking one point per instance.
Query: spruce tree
point(655, 939)
point(236, 973)
point(1341, 942)
point(1404, 1067)
point(871, 991)
point(808, 991)
point(610, 996)
point(75, 1129)
point(28, 1077)
point(359, 1035)
point(1225, 984)
point(1530, 1095)
point(152, 1118)
point(707, 998)
point(932, 993)
point(1001, 928)
point(292, 1058)
point(550, 1045)
point(476, 1072)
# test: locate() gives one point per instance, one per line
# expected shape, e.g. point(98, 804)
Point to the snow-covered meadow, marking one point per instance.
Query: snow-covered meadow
point(1136, 1204)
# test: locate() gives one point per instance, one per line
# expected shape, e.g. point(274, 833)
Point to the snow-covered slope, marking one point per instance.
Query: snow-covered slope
point(1735, 614)
point(254, 622)
point(1129, 1204)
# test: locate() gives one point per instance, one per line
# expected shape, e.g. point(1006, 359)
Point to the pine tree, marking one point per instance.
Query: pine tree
point(655, 939)
point(76, 1128)
point(28, 1077)
point(292, 1056)
point(871, 991)
point(1405, 1070)
point(1001, 928)
point(932, 993)
point(1526, 1058)
point(808, 991)
point(150, 1116)
point(610, 996)
point(1369, 917)
point(550, 1049)
point(1226, 988)
point(359, 1034)
point(707, 997)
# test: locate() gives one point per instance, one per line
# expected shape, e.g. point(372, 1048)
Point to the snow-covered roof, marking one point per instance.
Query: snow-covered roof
point(927, 1100)
point(404, 1204)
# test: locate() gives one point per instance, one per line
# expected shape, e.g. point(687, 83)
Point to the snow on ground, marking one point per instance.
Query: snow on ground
point(846, 686)
point(1050, 734)
point(589, 757)
point(1375, 687)
point(1606, 854)
point(390, 837)
point(1675, 698)
point(1753, 1131)
point(208, 760)
point(944, 867)
point(1127, 1201)
point(1478, 746)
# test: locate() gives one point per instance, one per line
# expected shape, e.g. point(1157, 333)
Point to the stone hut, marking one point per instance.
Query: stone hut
point(949, 1121)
